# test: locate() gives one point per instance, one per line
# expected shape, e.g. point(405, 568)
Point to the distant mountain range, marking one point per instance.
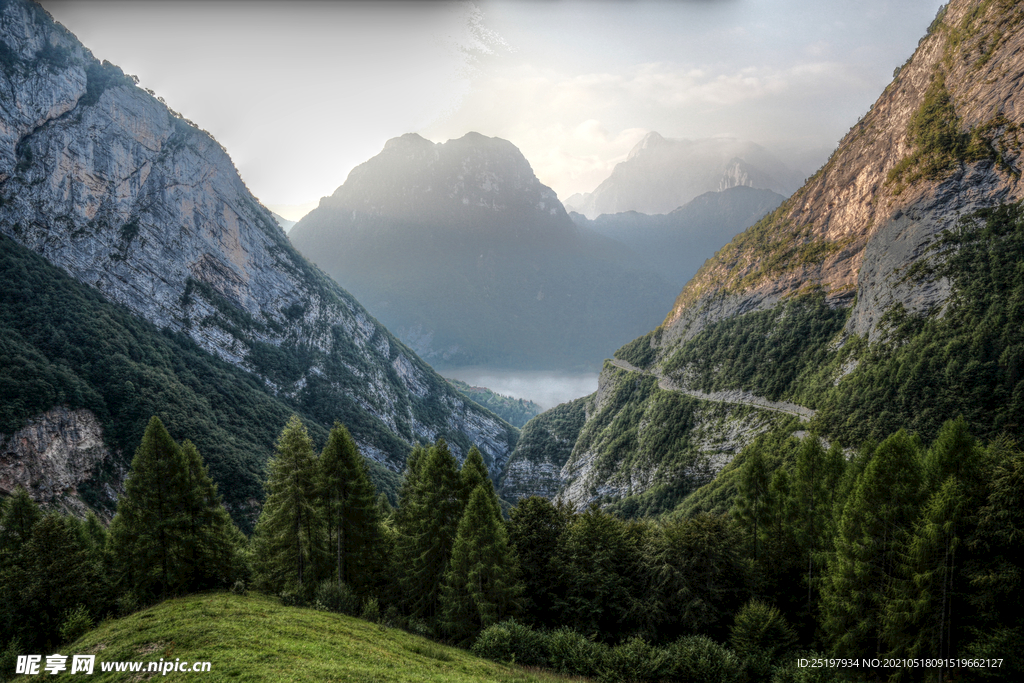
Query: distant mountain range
point(661, 174)
point(472, 261)
point(676, 244)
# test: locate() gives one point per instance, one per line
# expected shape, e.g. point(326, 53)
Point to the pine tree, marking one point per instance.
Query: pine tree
point(429, 520)
point(215, 541)
point(812, 493)
point(349, 510)
point(874, 527)
point(287, 542)
point(534, 528)
point(480, 586)
point(149, 531)
point(20, 514)
point(753, 505)
point(473, 474)
point(170, 533)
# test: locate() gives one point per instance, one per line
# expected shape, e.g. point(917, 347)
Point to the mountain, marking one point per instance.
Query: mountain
point(676, 244)
point(661, 174)
point(472, 261)
point(108, 184)
point(884, 294)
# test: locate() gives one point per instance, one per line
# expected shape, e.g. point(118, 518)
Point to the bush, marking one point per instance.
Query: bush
point(238, 588)
point(371, 610)
point(76, 623)
point(127, 603)
point(635, 661)
point(511, 642)
point(697, 659)
point(291, 598)
point(760, 631)
point(570, 652)
point(332, 596)
point(9, 659)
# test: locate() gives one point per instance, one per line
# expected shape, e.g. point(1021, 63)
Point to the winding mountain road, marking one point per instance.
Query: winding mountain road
point(730, 396)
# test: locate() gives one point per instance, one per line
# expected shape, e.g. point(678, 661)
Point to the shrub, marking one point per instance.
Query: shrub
point(332, 596)
point(635, 661)
point(371, 610)
point(238, 588)
point(9, 659)
point(760, 629)
point(511, 642)
point(697, 659)
point(76, 623)
point(127, 603)
point(570, 652)
point(291, 598)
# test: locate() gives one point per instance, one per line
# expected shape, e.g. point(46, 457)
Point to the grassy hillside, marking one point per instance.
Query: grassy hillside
point(255, 638)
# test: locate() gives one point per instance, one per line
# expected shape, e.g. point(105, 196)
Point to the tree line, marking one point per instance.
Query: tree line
point(902, 550)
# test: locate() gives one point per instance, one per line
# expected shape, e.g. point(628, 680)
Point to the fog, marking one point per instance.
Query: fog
point(547, 389)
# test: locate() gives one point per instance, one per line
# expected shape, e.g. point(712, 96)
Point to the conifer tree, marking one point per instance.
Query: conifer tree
point(215, 541)
point(813, 487)
point(20, 514)
point(874, 527)
point(430, 516)
point(287, 542)
point(753, 500)
point(480, 586)
point(149, 531)
point(349, 510)
point(170, 533)
point(473, 474)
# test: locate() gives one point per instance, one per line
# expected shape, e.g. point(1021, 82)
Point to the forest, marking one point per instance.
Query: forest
point(901, 552)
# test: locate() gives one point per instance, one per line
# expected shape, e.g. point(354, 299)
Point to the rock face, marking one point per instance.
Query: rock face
point(861, 220)
point(782, 315)
point(106, 182)
point(56, 453)
point(661, 174)
point(472, 261)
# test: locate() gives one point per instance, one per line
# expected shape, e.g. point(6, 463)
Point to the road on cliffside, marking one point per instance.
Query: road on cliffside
point(730, 396)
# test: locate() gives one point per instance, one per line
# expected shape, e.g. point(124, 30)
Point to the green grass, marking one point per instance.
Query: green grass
point(255, 638)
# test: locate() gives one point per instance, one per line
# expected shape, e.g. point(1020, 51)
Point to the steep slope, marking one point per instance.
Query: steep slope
point(106, 182)
point(80, 378)
point(676, 244)
point(661, 174)
point(472, 261)
point(882, 294)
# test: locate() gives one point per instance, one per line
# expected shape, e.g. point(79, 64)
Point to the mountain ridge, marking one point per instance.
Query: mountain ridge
point(106, 182)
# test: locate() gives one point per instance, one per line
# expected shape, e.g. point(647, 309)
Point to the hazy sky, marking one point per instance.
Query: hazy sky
point(301, 92)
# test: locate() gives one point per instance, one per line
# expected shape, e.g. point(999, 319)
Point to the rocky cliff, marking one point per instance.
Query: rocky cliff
point(105, 181)
point(880, 296)
point(55, 454)
point(940, 142)
point(460, 250)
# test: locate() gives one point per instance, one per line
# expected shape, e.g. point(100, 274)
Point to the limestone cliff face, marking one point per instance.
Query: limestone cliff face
point(54, 455)
point(873, 209)
point(106, 182)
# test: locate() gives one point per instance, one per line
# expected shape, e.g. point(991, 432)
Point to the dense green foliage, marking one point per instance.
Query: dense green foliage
point(770, 353)
point(969, 361)
point(171, 534)
point(515, 411)
point(548, 438)
point(63, 343)
point(642, 351)
point(640, 427)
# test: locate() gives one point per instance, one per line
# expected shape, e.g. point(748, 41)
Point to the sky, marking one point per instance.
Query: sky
point(302, 92)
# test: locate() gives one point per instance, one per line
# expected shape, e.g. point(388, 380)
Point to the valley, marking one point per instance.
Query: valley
point(702, 423)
